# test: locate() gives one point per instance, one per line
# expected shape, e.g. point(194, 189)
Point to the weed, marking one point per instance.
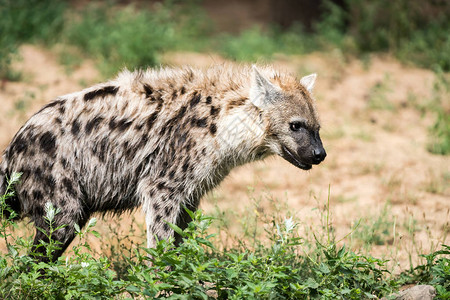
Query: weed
point(440, 131)
point(437, 184)
point(377, 96)
point(436, 271)
point(286, 267)
point(378, 230)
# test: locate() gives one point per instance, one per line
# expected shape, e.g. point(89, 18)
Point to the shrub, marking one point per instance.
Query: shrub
point(27, 21)
point(282, 269)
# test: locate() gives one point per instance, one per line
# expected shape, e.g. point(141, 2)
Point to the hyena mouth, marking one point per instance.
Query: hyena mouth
point(287, 155)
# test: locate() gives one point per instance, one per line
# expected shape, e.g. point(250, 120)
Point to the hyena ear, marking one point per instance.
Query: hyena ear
point(309, 81)
point(262, 91)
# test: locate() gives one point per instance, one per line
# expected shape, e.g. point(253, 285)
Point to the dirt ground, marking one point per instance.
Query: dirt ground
point(373, 132)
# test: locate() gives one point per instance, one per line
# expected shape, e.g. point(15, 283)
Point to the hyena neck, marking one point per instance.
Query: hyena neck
point(242, 135)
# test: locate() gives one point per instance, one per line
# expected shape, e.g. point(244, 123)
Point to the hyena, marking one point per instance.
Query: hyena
point(156, 139)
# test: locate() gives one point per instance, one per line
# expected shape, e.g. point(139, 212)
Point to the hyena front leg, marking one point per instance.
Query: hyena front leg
point(71, 213)
point(158, 215)
point(164, 211)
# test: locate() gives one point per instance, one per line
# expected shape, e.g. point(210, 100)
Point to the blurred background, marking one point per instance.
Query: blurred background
point(382, 93)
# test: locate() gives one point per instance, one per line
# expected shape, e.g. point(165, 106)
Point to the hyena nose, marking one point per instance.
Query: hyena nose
point(319, 155)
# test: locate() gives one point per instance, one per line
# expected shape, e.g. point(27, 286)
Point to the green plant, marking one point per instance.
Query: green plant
point(440, 130)
point(133, 38)
point(286, 266)
point(27, 21)
point(436, 272)
point(378, 94)
point(378, 230)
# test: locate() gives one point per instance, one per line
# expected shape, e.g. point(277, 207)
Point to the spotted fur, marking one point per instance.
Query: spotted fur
point(156, 139)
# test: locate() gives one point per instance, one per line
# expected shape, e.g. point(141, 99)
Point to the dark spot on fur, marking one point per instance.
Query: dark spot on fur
point(48, 164)
point(166, 227)
point(148, 90)
point(213, 129)
point(38, 210)
point(168, 210)
point(19, 145)
point(185, 165)
point(112, 124)
point(171, 174)
point(151, 120)
point(75, 127)
point(158, 218)
point(58, 121)
point(188, 146)
point(160, 186)
point(49, 181)
point(102, 92)
point(155, 206)
point(100, 149)
point(183, 90)
point(38, 174)
point(195, 99)
point(204, 151)
point(69, 187)
point(64, 163)
point(48, 143)
point(142, 142)
point(181, 112)
point(202, 122)
point(235, 103)
point(214, 111)
point(138, 127)
point(208, 100)
point(123, 124)
point(52, 104)
point(303, 93)
point(92, 124)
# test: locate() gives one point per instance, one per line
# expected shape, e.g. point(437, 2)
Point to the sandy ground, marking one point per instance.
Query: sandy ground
point(377, 157)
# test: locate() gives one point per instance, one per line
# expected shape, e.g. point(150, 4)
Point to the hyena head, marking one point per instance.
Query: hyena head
point(288, 107)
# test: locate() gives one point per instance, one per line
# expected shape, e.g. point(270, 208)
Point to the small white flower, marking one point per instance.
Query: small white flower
point(84, 264)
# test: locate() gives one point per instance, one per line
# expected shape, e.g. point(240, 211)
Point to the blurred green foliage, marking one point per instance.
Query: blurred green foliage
point(23, 21)
point(415, 31)
point(131, 37)
point(118, 35)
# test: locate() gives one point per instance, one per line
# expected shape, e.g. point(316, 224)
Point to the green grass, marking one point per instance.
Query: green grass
point(287, 266)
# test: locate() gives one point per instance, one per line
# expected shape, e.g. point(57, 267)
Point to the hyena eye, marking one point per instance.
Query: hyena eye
point(295, 126)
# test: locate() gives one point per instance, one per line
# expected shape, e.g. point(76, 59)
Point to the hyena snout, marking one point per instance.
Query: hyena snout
point(318, 155)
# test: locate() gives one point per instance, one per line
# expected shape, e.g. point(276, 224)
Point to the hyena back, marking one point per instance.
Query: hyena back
point(159, 139)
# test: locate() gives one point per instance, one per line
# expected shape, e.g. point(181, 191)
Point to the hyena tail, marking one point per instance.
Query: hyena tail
point(12, 202)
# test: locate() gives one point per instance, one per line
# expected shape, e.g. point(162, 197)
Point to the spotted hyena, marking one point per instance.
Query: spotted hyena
point(156, 139)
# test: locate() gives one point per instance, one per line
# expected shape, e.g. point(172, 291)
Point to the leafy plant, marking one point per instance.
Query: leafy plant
point(287, 267)
point(436, 272)
point(27, 21)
